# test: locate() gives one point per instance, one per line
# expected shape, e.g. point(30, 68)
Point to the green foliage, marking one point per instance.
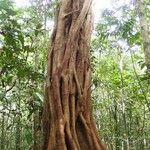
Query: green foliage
point(121, 87)
point(23, 45)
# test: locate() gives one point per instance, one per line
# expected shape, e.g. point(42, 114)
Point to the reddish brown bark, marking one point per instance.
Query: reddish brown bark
point(67, 118)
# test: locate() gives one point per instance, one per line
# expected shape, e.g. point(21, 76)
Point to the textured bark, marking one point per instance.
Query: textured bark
point(37, 130)
point(18, 125)
point(67, 118)
point(144, 32)
point(2, 146)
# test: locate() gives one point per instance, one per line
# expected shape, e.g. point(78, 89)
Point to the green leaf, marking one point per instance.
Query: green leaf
point(36, 32)
point(142, 65)
point(40, 97)
point(2, 94)
point(21, 38)
point(39, 26)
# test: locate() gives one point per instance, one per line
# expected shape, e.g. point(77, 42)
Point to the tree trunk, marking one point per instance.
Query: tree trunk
point(3, 132)
point(144, 32)
point(37, 130)
point(67, 117)
point(18, 124)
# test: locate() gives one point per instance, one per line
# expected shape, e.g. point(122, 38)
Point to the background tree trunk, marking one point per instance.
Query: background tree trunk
point(3, 132)
point(67, 117)
point(18, 122)
point(144, 32)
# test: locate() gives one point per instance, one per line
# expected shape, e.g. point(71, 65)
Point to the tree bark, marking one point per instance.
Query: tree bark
point(67, 116)
point(3, 132)
point(18, 122)
point(37, 130)
point(144, 32)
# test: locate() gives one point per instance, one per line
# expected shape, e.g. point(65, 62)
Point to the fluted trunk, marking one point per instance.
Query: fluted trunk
point(67, 118)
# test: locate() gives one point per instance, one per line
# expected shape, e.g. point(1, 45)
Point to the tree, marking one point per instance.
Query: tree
point(144, 32)
point(67, 114)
